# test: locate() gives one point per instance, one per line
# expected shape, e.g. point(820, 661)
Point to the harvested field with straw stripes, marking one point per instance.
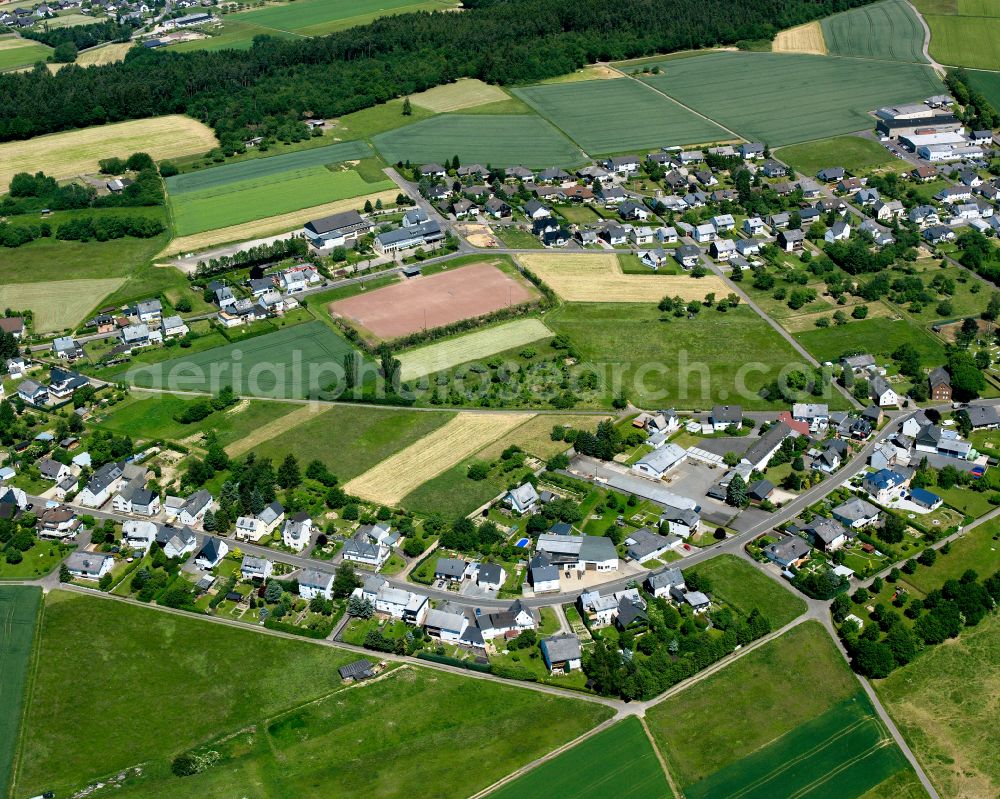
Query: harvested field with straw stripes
point(599, 278)
point(465, 93)
point(806, 38)
point(405, 471)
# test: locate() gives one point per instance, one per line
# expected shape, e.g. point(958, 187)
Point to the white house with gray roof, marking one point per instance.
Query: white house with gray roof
point(89, 565)
point(561, 653)
point(253, 568)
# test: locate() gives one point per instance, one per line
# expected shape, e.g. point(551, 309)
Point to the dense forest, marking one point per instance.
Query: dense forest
point(498, 41)
point(82, 36)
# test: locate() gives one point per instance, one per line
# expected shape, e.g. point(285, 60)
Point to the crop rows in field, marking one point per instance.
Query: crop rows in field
point(515, 139)
point(819, 96)
point(608, 116)
point(235, 203)
point(888, 30)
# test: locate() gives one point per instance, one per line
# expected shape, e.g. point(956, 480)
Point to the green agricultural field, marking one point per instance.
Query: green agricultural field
point(988, 83)
point(608, 116)
point(880, 337)
point(498, 140)
point(16, 52)
point(944, 703)
point(767, 729)
point(744, 587)
point(858, 156)
point(618, 761)
point(828, 96)
point(687, 362)
point(270, 195)
point(298, 361)
point(385, 740)
point(351, 440)
point(844, 752)
point(150, 654)
point(270, 166)
point(151, 416)
point(965, 41)
point(18, 617)
point(474, 346)
point(888, 30)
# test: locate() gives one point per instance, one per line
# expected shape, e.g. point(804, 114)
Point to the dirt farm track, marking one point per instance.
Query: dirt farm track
point(423, 303)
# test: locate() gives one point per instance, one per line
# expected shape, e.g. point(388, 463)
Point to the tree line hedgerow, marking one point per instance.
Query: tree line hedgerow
point(276, 81)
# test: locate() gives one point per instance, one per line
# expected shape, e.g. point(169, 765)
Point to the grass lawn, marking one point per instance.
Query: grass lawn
point(944, 703)
point(38, 561)
point(762, 696)
point(888, 31)
point(881, 337)
point(350, 440)
point(383, 738)
point(297, 361)
point(831, 96)
point(971, 503)
point(152, 416)
point(507, 140)
point(577, 214)
point(679, 361)
point(979, 549)
point(606, 116)
point(18, 617)
point(744, 587)
point(115, 644)
point(268, 195)
point(858, 156)
point(618, 761)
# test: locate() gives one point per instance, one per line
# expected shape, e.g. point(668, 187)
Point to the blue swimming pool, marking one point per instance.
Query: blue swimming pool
point(522, 542)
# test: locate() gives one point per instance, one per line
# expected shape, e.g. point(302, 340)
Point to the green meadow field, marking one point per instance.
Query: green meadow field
point(18, 617)
point(744, 587)
point(826, 96)
point(390, 738)
point(691, 359)
point(16, 52)
point(498, 140)
point(609, 116)
point(858, 156)
point(944, 703)
point(888, 30)
point(89, 645)
point(270, 195)
point(881, 337)
point(270, 166)
point(619, 761)
point(303, 18)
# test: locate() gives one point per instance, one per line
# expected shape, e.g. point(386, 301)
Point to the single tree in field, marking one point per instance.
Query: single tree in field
point(407, 108)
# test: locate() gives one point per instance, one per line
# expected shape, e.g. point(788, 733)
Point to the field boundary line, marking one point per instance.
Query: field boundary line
point(678, 102)
point(268, 431)
point(527, 767)
point(659, 756)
